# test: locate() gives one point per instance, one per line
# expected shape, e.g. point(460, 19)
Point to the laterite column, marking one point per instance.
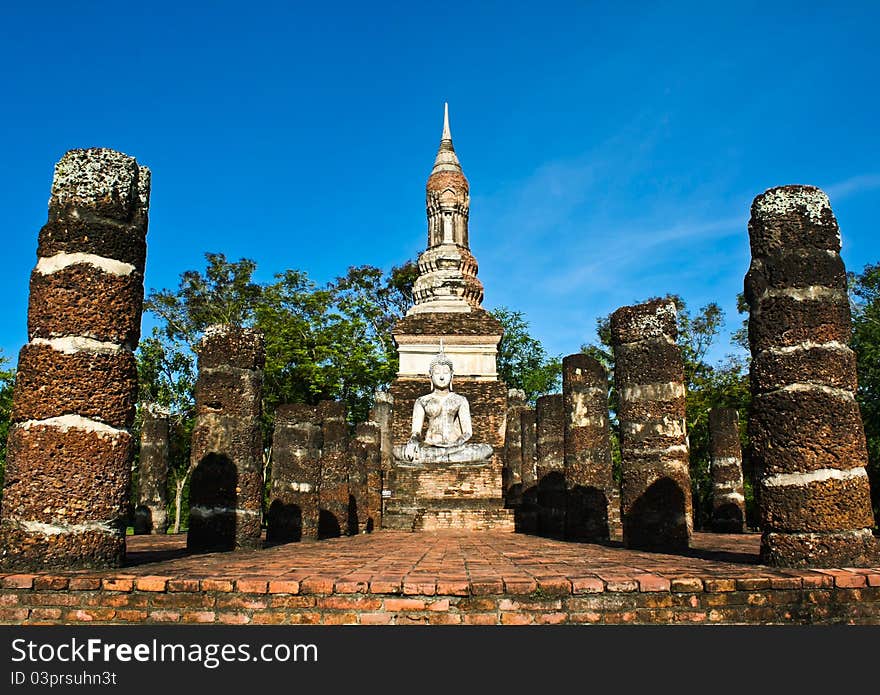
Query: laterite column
point(725, 462)
point(226, 489)
point(550, 468)
point(150, 514)
point(68, 469)
point(587, 434)
point(656, 501)
point(805, 426)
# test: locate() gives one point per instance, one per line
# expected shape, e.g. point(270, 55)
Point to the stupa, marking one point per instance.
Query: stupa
point(436, 489)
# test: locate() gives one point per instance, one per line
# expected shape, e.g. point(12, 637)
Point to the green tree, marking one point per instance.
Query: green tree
point(331, 342)
point(523, 362)
point(7, 385)
point(865, 303)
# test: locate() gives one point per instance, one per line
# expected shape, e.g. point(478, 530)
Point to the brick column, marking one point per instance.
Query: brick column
point(365, 480)
point(333, 497)
point(550, 467)
point(805, 426)
point(295, 476)
point(226, 489)
point(68, 470)
point(150, 514)
point(656, 501)
point(512, 471)
point(587, 436)
point(725, 460)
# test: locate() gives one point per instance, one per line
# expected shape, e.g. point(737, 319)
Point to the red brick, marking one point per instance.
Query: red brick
point(849, 580)
point(131, 616)
point(651, 582)
point(151, 583)
point(283, 586)
point(88, 615)
point(686, 584)
point(84, 584)
point(718, 585)
point(117, 584)
point(873, 579)
point(619, 618)
point(45, 614)
point(516, 619)
point(339, 619)
point(269, 618)
point(317, 585)
point(444, 619)
point(198, 617)
point(785, 583)
point(586, 617)
point(349, 586)
point(18, 581)
point(233, 618)
point(47, 582)
point(345, 603)
point(690, 617)
point(453, 587)
point(620, 584)
point(480, 618)
point(486, 587)
point(164, 616)
point(419, 587)
point(554, 585)
point(185, 585)
point(13, 615)
point(305, 618)
point(753, 583)
point(404, 604)
point(224, 585)
point(549, 618)
point(439, 605)
point(383, 585)
point(376, 618)
point(587, 585)
point(817, 581)
point(519, 585)
point(252, 586)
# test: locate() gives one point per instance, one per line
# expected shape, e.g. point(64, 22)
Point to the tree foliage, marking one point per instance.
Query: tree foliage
point(329, 342)
point(522, 361)
point(865, 302)
point(7, 385)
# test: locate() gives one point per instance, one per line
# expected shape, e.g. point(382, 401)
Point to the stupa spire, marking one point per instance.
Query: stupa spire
point(446, 159)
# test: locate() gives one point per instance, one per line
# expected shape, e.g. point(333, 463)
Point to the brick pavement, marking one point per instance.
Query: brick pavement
point(445, 577)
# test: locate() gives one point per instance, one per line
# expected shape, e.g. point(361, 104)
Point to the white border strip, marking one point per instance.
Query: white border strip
point(788, 479)
point(52, 264)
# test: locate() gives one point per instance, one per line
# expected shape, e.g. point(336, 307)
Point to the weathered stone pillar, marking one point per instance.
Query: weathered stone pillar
point(381, 413)
point(295, 476)
point(587, 432)
point(512, 471)
point(226, 489)
point(725, 461)
point(365, 481)
point(68, 470)
point(333, 495)
point(656, 500)
point(150, 515)
point(550, 466)
point(805, 426)
point(526, 514)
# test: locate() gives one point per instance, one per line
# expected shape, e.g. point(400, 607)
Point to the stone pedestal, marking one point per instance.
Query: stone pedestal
point(449, 495)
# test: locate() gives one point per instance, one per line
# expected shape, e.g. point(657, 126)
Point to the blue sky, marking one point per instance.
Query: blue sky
point(613, 150)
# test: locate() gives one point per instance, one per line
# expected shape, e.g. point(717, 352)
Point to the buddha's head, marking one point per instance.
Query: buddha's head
point(440, 371)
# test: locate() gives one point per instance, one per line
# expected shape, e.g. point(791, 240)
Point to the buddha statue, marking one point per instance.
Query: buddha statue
point(445, 418)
